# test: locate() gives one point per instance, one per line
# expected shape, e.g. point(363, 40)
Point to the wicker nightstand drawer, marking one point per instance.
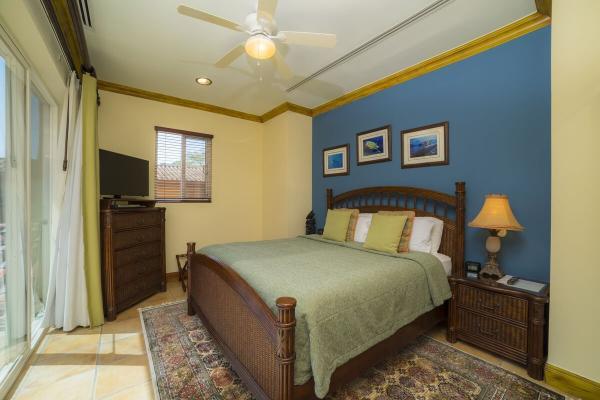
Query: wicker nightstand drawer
point(493, 331)
point(494, 304)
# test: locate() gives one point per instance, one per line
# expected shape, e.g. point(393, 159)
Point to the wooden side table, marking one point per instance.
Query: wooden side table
point(183, 270)
point(502, 319)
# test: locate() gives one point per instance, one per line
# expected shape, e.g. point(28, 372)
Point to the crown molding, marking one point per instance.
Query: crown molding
point(177, 101)
point(500, 36)
point(283, 107)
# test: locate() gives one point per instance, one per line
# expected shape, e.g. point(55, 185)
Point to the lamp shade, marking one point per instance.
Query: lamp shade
point(496, 214)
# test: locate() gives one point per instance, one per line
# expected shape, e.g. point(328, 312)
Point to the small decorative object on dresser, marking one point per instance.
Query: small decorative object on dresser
point(497, 216)
point(335, 161)
point(373, 146)
point(133, 252)
point(502, 319)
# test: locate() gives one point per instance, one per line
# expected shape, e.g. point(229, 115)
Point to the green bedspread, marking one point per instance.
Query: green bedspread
point(348, 298)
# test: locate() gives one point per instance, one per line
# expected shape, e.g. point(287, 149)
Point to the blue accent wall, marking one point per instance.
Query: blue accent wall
point(497, 104)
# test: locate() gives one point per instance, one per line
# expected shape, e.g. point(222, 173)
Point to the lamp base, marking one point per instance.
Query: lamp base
point(491, 269)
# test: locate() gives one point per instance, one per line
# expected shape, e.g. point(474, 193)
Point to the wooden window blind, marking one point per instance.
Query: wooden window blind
point(183, 166)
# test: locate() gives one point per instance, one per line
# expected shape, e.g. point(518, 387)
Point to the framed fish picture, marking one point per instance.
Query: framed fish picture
point(373, 146)
point(425, 146)
point(335, 161)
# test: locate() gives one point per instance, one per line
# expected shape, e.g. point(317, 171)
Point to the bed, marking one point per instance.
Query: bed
point(262, 336)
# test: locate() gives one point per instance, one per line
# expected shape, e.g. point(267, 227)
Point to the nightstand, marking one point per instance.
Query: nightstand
point(502, 319)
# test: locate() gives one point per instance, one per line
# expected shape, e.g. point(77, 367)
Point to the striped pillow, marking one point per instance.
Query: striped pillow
point(408, 227)
point(352, 224)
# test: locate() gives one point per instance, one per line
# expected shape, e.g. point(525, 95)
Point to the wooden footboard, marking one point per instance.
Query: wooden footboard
point(259, 344)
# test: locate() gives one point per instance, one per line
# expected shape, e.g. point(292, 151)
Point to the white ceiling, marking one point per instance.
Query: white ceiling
point(146, 44)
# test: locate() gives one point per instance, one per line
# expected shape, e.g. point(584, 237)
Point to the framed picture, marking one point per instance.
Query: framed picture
point(373, 146)
point(425, 146)
point(335, 161)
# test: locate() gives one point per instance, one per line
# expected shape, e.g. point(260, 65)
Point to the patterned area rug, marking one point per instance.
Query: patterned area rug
point(188, 364)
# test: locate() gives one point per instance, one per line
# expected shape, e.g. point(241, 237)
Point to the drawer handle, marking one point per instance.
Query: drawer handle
point(493, 308)
point(492, 333)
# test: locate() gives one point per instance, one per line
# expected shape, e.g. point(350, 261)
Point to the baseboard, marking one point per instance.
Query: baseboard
point(172, 275)
point(571, 383)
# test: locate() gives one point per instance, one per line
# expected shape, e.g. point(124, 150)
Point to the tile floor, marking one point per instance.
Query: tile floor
point(110, 362)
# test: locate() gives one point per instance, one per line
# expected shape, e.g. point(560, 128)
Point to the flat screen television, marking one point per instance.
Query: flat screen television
point(122, 175)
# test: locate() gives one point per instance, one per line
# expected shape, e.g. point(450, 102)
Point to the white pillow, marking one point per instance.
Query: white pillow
point(436, 234)
point(362, 227)
point(420, 238)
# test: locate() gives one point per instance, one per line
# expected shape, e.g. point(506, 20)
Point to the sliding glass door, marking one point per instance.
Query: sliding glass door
point(26, 118)
point(13, 232)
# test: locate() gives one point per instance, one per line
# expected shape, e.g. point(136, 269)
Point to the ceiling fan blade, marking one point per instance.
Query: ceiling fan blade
point(231, 56)
point(308, 38)
point(206, 17)
point(267, 7)
point(282, 67)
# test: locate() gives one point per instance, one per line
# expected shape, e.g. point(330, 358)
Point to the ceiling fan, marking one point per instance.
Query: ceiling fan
point(263, 35)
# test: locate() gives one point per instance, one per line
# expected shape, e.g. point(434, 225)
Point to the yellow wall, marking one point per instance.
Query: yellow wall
point(287, 172)
point(126, 125)
point(575, 266)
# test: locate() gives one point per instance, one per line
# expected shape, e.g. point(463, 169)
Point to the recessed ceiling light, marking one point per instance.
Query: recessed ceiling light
point(203, 81)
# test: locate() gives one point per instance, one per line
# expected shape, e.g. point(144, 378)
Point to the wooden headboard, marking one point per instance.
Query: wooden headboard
point(424, 202)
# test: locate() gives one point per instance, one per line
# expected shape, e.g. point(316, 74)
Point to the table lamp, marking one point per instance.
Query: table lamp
point(496, 216)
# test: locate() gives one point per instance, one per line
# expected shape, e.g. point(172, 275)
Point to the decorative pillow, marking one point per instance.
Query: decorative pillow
point(336, 225)
point(420, 240)
point(362, 227)
point(436, 234)
point(385, 233)
point(408, 227)
point(352, 224)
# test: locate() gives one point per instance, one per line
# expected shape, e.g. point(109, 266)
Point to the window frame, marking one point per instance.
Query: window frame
point(183, 132)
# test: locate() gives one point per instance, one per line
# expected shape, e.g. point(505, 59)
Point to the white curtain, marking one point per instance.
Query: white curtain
point(66, 303)
point(16, 230)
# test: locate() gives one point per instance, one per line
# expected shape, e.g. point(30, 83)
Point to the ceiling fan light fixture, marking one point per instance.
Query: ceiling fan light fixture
point(260, 46)
point(204, 81)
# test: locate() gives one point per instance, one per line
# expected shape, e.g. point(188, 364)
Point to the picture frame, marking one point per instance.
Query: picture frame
point(374, 145)
point(425, 146)
point(335, 161)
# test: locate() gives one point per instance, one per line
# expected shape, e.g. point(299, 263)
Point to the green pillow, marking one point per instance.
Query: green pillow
point(336, 225)
point(385, 233)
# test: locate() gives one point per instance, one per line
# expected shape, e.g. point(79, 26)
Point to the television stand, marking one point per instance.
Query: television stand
point(115, 203)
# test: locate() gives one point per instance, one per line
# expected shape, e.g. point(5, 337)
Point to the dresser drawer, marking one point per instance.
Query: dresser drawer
point(134, 254)
point(135, 291)
point(137, 271)
point(494, 304)
point(122, 221)
point(130, 238)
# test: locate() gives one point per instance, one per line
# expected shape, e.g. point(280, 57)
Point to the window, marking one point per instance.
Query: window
point(183, 166)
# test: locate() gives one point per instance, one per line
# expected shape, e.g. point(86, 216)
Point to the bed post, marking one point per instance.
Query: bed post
point(329, 199)
point(191, 250)
point(286, 322)
point(458, 270)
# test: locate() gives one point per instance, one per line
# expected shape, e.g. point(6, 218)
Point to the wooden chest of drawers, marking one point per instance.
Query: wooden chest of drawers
point(501, 319)
point(133, 256)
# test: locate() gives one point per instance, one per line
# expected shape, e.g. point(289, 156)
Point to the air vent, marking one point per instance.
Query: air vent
point(367, 45)
point(84, 10)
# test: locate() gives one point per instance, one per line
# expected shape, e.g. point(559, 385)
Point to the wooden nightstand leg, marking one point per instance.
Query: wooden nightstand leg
point(537, 327)
point(451, 330)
